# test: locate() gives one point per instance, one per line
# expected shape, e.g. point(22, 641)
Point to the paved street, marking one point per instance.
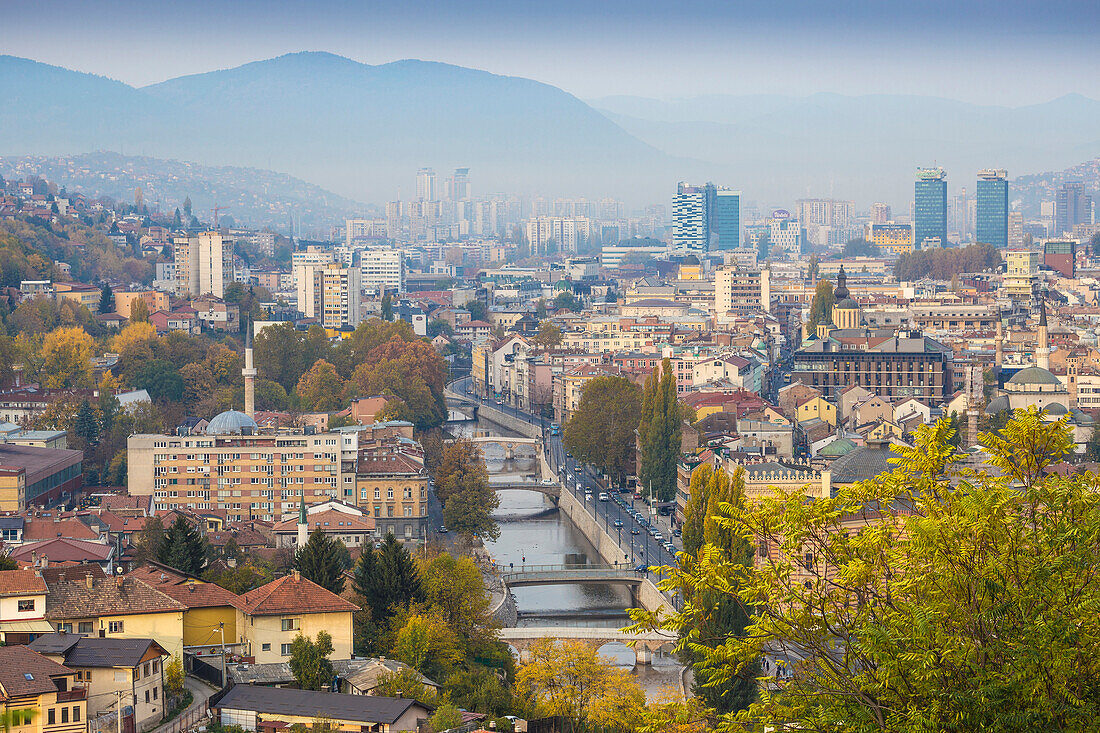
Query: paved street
point(638, 546)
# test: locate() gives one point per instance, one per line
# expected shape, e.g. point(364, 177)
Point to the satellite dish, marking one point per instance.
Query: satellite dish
point(118, 570)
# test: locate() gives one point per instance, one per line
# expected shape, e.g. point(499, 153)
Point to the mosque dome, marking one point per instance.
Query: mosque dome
point(1034, 376)
point(690, 260)
point(230, 422)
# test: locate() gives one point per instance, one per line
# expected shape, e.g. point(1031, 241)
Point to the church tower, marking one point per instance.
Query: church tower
point(846, 312)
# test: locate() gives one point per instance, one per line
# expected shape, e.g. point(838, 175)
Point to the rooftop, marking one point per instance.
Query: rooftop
point(310, 704)
point(293, 594)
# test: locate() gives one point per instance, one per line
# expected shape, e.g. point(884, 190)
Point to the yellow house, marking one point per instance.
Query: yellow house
point(30, 681)
point(13, 488)
point(816, 407)
point(277, 612)
point(85, 295)
point(122, 607)
point(22, 606)
point(886, 431)
point(210, 609)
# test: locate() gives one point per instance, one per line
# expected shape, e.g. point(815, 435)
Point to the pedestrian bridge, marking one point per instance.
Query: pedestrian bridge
point(522, 638)
point(496, 447)
point(569, 574)
point(508, 483)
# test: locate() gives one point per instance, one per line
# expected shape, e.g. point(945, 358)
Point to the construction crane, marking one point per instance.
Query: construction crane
point(216, 210)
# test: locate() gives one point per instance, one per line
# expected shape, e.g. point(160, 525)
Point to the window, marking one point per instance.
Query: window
point(85, 627)
point(156, 666)
point(114, 627)
point(26, 604)
point(51, 718)
point(76, 713)
point(155, 689)
point(290, 624)
point(266, 647)
point(66, 627)
point(64, 715)
point(285, 650)
point(146, 696)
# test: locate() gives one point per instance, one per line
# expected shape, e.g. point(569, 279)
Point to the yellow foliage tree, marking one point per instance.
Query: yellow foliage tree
point(135, 333)
point(67, 359)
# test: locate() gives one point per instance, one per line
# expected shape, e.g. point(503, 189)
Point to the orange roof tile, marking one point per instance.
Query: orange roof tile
point(293, 594)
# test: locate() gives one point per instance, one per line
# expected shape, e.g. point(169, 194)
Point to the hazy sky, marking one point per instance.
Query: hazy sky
point(1005, 51)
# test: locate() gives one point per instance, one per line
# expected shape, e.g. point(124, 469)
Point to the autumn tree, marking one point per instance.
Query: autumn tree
point(821, 308)
point(601, 430)
point(428, 645)
point(549, 335)
point(139, 311)
point(569, 679)
point(320, 388)
point(934, 597)
point(462, 484)
point(67, 359)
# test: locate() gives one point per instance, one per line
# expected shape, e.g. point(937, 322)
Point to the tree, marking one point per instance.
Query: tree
point(566, 300)
point(478, 310)
point(177, 219)
point(462, 484)
point(139, 311)
point(309, 662)
point(821, 308)
point(106, 299)
point(934, 597)
point(320, 388)
point(7, 563)
point(86, 424)
point(387, 307)
point(67, 359)
point(454, 590)
point(549, 335)
point(183, 548)
point(319, 560)
point(161, 379)
point(387, 580)
point(660, 432)
point(174, 677)
point(187, 206)
point(695, 512)
point(540, 308)
point(860, 247)
point(407, 683)
point(601, 430)
point(814, 268)
point(428, 645)
point(445, 717)
point(568, 679)
point(482, 690)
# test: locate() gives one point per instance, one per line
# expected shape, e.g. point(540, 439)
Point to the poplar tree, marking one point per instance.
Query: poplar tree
point(659, 433)
point(319, 560)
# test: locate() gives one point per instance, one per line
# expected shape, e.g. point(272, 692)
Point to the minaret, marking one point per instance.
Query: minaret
point(249, 373)
point(1000, 341)
point(1042, 354)
point(303, 523)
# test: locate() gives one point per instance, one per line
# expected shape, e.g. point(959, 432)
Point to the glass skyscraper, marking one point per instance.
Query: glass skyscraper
point(727, 218)
point(930, 208)
point(992, 219)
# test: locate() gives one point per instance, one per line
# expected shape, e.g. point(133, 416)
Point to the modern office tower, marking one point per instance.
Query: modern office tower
point(1073, 207)
point(567, 233)
point(458, 185)
point(425, 185)
point(992, 223)
point(204, 264)
point(880, 213)
point(690, 220)
point(785, 233)
point(930, 208)
point(1015, 229)
point(727, 218)
point(824, 212)
point(382, 269)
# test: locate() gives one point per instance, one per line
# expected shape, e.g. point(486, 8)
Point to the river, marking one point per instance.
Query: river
point(533, 531)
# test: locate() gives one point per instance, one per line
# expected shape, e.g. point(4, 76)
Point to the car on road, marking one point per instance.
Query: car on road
point(658, 536)
point(676, 532)
point(603, 496)
point(618, 523)
point(671, 548)
point(587, 495)
point(548, 482)
point(635, 530)
point(443, 529)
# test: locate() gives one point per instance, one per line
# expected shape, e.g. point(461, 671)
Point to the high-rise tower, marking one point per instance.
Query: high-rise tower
point(930, 208)
point(992, 218)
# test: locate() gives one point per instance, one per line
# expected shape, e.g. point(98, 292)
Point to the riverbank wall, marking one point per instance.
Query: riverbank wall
point(649, 597)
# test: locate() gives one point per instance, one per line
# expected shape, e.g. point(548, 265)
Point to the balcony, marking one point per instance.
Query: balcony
point(77, 693)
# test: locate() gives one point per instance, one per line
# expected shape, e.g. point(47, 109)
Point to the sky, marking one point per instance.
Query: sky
point(1007, 52)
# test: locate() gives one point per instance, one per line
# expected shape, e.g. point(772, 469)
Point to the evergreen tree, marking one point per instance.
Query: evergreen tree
point(106, 299)
point(177, 219)
point(187, 206)
point(387, 307)
point(183, 548)
point(320, 561)
point(387, 579)
point(86, 425)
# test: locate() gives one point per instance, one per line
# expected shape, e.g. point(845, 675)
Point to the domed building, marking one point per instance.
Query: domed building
point(846, 313)
point(231, 422)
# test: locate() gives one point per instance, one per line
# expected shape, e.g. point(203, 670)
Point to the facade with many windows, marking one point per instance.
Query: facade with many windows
point(392, 489)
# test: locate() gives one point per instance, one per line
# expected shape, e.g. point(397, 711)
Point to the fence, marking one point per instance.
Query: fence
point(186, 721)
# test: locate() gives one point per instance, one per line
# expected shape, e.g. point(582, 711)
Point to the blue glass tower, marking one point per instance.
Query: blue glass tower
point(727, 218)
point(930, 208)
point(992, 223)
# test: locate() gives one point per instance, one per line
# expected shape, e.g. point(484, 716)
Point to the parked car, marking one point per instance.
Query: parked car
point(443, 529)
point(618, 523)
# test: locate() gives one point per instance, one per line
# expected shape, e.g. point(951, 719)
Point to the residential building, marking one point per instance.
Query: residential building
point(690, 219)
point(352, 526)
point(825, 212)
point(992, 211)
point(41, 476)
point(155, 300)
point(110, 670)
point(360, 230)
point(32, 681)
point(547, 234)
point(330, 293)
point(1073, 206)
point(930, 209)
point(291, 605)
point(786, 234)
point(727, 218)
point(209, 610)
point(382, 270)
point(257, 708)
point(204, 264)
point(1060, 255)
point(79, 293)
point(22, 606)
point(1015, 229)
point(880, 213)
point(426, 185)
point(122, 607)
point(392, 490)
point(742, 291)
point(1021, 280)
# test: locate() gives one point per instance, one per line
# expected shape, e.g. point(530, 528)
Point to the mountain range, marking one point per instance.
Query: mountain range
point(363, 130)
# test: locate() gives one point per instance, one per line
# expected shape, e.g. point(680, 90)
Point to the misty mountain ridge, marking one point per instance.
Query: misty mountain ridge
point(362, 130)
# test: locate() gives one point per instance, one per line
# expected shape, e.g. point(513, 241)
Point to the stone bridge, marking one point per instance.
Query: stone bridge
point(496, 448)
point(562, 574)
point(522, 638)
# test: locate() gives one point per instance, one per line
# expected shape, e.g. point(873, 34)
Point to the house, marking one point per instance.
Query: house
point(291, 605)
point(65, 550)
point(31, 681)
point(22, 606)
point(122, 607)
point(872, 409)
point(353, 676)
point(352, 530)
point(815, 408)
point(365, 410)
point(106, 667)
point(269, 709)
point(474, 330)
point(209, 610)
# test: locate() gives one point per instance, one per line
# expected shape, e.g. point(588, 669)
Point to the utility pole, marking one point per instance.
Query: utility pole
point(221, 629)
point(118, 708)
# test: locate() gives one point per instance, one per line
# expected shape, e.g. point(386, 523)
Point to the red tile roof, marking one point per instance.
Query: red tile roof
point(17, 663)
point(63, 550)
point(293, 594)
point(189, 592)
point(106, 597)
point(21, 582)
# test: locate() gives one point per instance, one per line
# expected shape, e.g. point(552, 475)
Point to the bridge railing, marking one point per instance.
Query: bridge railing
point(595, 567)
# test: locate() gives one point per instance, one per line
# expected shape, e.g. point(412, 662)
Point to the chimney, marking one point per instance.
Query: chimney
point(296, 575)
point(88, 580)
